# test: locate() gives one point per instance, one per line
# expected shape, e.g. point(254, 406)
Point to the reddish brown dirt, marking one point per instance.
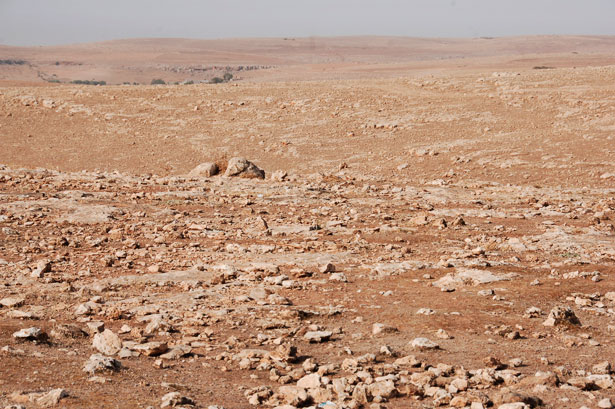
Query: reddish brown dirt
point(377, 170)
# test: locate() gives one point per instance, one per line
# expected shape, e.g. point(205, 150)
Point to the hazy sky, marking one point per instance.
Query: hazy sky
point(43, 22)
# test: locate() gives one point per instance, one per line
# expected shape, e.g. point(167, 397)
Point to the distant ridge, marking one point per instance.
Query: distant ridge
point(139, 59)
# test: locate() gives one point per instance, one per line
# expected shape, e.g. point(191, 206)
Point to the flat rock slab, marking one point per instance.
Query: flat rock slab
point(150, 348)
point(317, 336)
point(68, 210)
point(467, 276)
point(30, 334)
point(12, 302)
point(171, 276)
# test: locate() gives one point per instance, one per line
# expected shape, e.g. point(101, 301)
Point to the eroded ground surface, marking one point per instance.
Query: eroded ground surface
point(418, 242)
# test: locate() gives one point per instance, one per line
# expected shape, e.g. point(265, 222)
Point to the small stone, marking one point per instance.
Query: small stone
point(279, 175)
point(341, 277)
point(601, 381)
point(51, 398)
point(441, 397)
point(409, 360)
point(516, 362)
point(155, 268)
point(31, 334)
point(310, 381)
point(385, 350)
point(177, 352)
point(382, 389)
point(459, 402)
point(460, 384)
point(423, 344)
point(151, 348)
point(293, 395)
point(542, 378)
point(259, 293)
point(309, 365)
point(458, 221)
point(20, 315)
point(99, 363)
point(327, 268)
point(174, 399)
point(317, 336)
point(603, 368)
point(95, 327)
point(379, 328)
point(515, 405)
point(84, 309)
point(580, 382)
point(493, 362)
point(42, 267)
point(533, 312)
point(125, 329)
point(442, 334)
point(12, 302)
point(69, 331)
point(127, 353)
point(605, 403)
point(561, 315)
point(107, 342)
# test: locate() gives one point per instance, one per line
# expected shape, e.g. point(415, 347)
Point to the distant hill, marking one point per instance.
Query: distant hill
point(141, 60)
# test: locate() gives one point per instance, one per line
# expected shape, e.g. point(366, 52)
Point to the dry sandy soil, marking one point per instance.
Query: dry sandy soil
point(433, 229)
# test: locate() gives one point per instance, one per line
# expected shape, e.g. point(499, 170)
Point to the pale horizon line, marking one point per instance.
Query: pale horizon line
point(310, 37)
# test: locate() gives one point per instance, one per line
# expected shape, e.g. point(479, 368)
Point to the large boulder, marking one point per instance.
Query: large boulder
point(243, 168)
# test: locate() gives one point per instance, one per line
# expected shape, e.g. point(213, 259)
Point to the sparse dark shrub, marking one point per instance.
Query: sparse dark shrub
point(216, 80)
point(88, 82)
point(13, 62)
point(158, 81)
point(227, 76)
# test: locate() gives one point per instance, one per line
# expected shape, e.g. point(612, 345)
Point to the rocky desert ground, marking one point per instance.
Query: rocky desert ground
point(384, 233)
